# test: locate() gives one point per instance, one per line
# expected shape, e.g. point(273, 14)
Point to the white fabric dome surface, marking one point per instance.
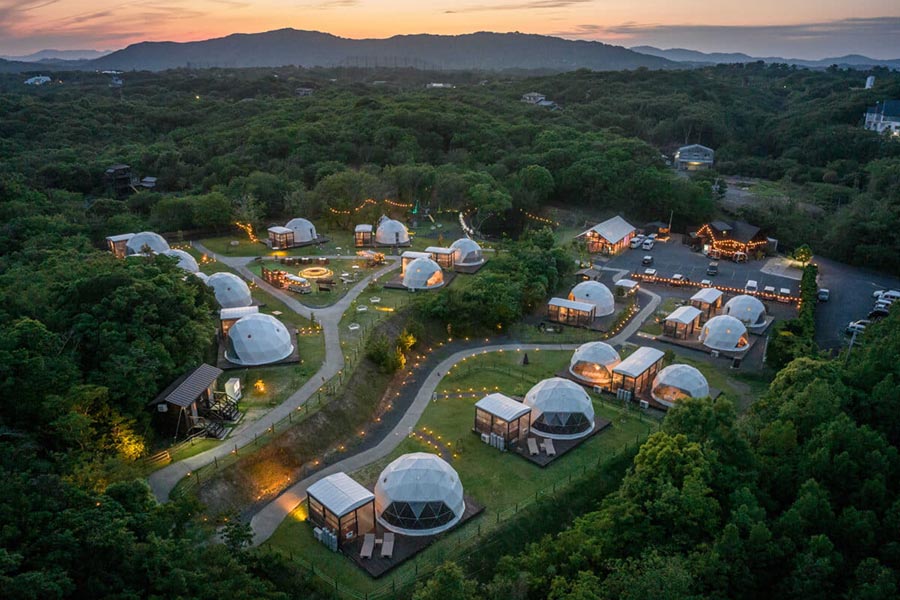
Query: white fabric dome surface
point(724, 333)
point(594, 292)
point(304, 230)
point(391, 232)
point(747, 309)
point(258, 339)
point(593, 362)
point(185, 260)
point(203, 276)
point(678, 381)
point(560, 409)
point(466, 252)
point(139, 241)
point(419, 494)
point(423, 274)
point(231, 291)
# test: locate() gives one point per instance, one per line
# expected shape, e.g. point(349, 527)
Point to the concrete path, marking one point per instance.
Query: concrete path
point(164, 480)
point(266, 521)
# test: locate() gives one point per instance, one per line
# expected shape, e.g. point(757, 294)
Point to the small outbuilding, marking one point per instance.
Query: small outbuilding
point(749, 310)
point(676, 382)
point(146, 242)
point(231, 291)
point(408, 256)
point(341, 505)
point(258, 339)
point(499, 416)
point(682, 322)
point(185, 260)
point(118, 244)
point(230, 316)
point(280, 237)
point(694, 157)
point(419, 494)
point(180, 408)
point(708, 301)
point(609, 237)
point(627, 287)
point(636, 372)
point(570, 312)
point(592, 363)
point(560, 409)
point(442, 256)
point(363, 235)
point(594, 292)
point(391, 233)
point(423, 274)
point(725, 334)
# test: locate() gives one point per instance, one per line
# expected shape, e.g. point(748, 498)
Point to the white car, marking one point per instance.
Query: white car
point(636, 241)
point(647, 245)
point(650, 272)
point(751, 286)
point(888, 295)
point(706, 283)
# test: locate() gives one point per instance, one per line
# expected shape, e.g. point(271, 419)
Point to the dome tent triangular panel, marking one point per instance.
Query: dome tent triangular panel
point(593, 362)
point(146, 239)
point(747, 309)
point(561, 409)
point(466, 252)
point(419, 494)
point(390, 232)
point(304, 230)
point(185, 260)
point(423, 274)
point(725, 334)
point(258, 339)
point(231, 291)
point(594, 292)
point(678, 381)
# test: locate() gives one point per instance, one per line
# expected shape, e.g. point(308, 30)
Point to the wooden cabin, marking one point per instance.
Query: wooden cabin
point(118, 244)
point(609, 237)
point(708, 301)
point(341, 506)
point(281, 238)
point(501, 418)
point(364, 235)
point(189, 404)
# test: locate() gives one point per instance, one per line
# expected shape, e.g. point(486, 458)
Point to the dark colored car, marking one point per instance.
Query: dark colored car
point(712, 268)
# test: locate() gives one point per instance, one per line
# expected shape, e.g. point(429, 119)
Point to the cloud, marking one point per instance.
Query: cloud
point(527, 5)
point(329, 4)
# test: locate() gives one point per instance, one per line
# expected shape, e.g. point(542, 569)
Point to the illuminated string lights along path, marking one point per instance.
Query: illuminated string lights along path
point(266, 521)
point(163, 481)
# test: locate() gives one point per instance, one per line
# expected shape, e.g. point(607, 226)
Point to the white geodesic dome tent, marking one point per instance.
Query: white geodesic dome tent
point(747, 309)
point(258, 339)
point(146, 239)
point(391, 233)
point(676, 382)
point(594, 292)
point(185, 260)
point(202, 276)
point(725, 334)
point(419, 494)
point(230, 290)
point(423, 274)
point(304, 230)
point(593, 363)
point(560, 409)
point(466, 252)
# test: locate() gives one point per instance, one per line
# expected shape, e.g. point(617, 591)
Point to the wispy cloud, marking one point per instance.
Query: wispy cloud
point(329, 4)
point(527, 5)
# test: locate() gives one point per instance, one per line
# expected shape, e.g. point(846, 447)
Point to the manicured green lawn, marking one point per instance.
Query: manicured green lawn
point(653, 325)
point(495, 479)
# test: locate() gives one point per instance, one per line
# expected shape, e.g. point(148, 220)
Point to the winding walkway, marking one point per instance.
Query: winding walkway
point(266, 521)
point(163, 481)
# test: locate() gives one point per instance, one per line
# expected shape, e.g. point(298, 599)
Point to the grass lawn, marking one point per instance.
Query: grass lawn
point(654, 324)
point(497, 480)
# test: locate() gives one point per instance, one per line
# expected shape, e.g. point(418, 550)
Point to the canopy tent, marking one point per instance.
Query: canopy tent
point(423, 274)
point(725, 334)
point(676, 382)
point(419, 494)
point(185, 260)
point(561, 409)
point(594, 292)
point(258, 339)
point(230, 290)
point(747, 309)
point(137, 243)
point(593, 363)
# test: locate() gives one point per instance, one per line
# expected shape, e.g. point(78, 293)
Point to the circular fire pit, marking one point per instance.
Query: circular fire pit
point(316, 273)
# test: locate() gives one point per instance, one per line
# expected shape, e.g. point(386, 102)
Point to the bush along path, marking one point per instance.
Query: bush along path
point(163, 481)
point(266, 521)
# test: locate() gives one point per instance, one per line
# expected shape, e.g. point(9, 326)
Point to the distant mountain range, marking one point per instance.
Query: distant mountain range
point(54, 55)
point(695, 57)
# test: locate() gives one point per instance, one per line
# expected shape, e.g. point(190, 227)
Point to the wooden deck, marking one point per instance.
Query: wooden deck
point(405, 546)
point(561, 446)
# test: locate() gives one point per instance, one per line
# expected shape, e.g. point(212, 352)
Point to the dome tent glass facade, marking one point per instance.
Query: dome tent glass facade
point(391, 233)
point(185, 260)
point(747, 309)
point(593, 363)
point(466, 252)
point(258, 339)
point(594, 292)
point(304, 230)
point(725, 334)
point(676, 382)
point(423, 274)
point(146, 240)
point(231, 291)
point(419, 494)
point(560, 409)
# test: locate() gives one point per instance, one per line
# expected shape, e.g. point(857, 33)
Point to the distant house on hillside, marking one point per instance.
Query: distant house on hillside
point(533, 98)
point(439, 86)
point(304, 91)
point(37, 80)
point(694, 157)
point(884, 117)
point(609, 237)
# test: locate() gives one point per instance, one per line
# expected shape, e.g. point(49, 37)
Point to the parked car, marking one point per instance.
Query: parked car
point(647, 260)
point(784, 295)
point(650, 272)
point(739, 257)
point(751, 286)
point(877, 313)
point(652, 236)
point(769, 289)
point(891, 295)
point(857, 326)
point(636, 241)
point(647, 245)
point(882, 305)
point(824, 294)
point(712, 268)
point(706, 283)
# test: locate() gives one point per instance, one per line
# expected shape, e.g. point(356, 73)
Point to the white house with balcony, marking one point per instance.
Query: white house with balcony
point(884, 117)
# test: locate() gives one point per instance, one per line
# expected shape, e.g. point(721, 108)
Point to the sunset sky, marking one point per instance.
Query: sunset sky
point(791, 28)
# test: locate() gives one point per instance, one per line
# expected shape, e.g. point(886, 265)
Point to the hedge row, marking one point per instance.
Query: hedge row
point(796, 337)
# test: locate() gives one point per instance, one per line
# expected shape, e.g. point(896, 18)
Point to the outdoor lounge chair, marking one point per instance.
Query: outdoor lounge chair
point(368, 546)
point(532, 447)
point(548, 447)
point(387, 548)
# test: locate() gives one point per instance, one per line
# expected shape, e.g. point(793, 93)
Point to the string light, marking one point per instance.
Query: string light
point(540, 219)
point(681, 282)
point(248, 229)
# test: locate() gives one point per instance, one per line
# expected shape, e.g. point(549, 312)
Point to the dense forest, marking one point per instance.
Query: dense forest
point(795, 499)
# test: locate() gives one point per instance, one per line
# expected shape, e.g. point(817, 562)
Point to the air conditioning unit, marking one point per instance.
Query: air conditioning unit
point(714, 353)
point(598, 389)
point(486, 438)
point(645, 404)
point(162, 407)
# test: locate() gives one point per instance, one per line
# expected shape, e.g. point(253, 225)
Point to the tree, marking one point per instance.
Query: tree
point(803, 253)
point(448, 583)
point(236, 534)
